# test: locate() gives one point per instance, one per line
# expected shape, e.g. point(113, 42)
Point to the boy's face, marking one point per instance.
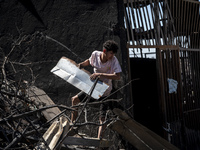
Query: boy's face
point(109, 54)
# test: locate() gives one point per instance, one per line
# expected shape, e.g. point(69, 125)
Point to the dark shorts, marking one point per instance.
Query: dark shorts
point(103, 107)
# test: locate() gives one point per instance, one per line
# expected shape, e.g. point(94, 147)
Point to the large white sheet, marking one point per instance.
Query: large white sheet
point(68, 70)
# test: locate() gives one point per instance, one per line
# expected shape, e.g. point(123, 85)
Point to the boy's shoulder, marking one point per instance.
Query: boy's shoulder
point(96, 52)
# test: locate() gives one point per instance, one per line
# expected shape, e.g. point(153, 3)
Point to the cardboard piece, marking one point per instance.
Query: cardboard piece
point(69, 71)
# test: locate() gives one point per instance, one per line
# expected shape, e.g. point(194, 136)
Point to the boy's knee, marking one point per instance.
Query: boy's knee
point(102, 119)
point(75, 100)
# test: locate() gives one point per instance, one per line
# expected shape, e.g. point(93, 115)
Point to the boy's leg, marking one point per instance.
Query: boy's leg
point(74, 114)
point(80, 97)
point(101, 128)
point(103, 109)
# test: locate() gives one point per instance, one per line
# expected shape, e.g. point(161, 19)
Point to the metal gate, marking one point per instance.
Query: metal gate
point(190, 73)
point(178, 75)
point(172, 30)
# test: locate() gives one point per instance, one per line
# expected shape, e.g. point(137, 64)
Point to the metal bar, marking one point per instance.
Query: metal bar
point(164, 18)
point(155, 31)
point(157, 22)
point(183, 83)
point(173, 99)
point(189, 22)
point(163, 15)
point(197, 78)
point(182, 18)
point(183, 59)
point(138, 18)
point(192, 25)
point(130, 23)
point(171, 21)
point(166, 74)
point(179, 25)
point(198, 30)
point(141, 20)
point(170, 76)
point(194, 75)
point(184, 22)
point(161, 87)
point(145, 20)
point(175, 66)
point(150, 24)
point(134, 21)
point(191, 83)
point(180, 92)
point(196, 25)
point(137, 23)
point(127, 24)
point(172, 8)
point(176, 20)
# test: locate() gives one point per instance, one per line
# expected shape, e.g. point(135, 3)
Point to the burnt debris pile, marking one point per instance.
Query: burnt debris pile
point(21, 120)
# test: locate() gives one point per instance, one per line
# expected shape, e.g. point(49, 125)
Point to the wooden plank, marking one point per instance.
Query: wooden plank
point(139, 136)
point(39, 97)
point(56, 132)
point(131, 137)
point(87, 142)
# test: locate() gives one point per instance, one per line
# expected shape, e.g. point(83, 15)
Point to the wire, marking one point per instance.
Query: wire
point(50, 38)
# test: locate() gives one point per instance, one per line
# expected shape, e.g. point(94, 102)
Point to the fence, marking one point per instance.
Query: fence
point(172, 28)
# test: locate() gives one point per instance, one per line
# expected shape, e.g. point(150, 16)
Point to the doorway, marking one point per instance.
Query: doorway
point(144, 93)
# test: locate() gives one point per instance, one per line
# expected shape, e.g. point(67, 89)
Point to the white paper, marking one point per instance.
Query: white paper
point(172, 85)
point(78, 78)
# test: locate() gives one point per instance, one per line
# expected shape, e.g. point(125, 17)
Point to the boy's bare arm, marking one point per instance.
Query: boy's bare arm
point(114, 76)
point(84, 63)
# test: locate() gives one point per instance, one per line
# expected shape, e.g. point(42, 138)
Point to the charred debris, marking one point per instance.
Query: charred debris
point(29, 119)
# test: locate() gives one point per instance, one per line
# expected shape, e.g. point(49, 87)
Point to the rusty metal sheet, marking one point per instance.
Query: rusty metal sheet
point(68, 70)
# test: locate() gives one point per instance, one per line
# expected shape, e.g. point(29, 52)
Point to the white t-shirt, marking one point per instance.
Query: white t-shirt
point(110, 67)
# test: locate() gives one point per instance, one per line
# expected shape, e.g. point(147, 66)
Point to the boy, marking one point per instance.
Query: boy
point(107, 67)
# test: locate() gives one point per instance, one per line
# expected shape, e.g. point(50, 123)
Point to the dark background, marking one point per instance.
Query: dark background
point(38, 33)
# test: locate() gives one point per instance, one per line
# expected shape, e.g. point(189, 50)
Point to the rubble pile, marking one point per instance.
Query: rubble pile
point(29, 119)
point(21, 122)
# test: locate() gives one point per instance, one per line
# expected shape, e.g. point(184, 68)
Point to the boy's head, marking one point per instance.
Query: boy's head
point(110, 45)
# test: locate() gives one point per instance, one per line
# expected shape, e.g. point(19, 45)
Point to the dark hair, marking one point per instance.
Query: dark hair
point(111, 46)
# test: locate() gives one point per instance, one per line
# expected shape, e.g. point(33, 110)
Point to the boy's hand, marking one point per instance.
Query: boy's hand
point(80, 66)
point(95, 75)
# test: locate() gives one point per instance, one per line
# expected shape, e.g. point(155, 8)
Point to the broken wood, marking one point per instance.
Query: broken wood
point(40, 98)
point(55, 132)
point(139, 136)
point(87, 141)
